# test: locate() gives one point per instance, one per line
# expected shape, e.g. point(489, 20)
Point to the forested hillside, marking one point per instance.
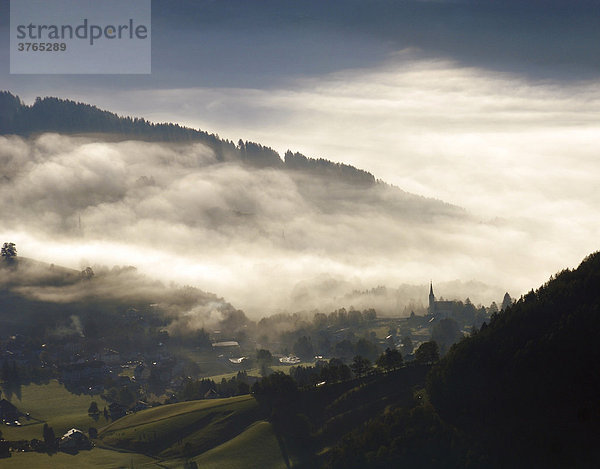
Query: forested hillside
point(69, 117)
point(529, 381)
point(520, 392)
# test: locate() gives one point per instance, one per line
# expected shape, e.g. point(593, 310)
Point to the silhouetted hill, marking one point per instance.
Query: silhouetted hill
point(41, 300)
point(69, 117)
point(297, 161)
point(527, 385)
point(520, 393)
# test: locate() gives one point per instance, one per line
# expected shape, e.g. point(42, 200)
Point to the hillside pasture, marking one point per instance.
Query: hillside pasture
point(185, 428)
point(257, 446)
point(96, 458)
point(53, 404)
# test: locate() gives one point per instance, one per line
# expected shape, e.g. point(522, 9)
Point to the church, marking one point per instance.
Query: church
point(439, 309)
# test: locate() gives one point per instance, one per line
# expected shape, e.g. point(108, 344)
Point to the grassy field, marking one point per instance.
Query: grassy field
point(224, 433)
point(205, 360)
point(256, 447)
point(184, 428)
point(254, 372)
point(53, 404)
point(97, 457)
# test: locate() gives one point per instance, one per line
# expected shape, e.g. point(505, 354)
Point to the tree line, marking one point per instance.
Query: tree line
point(50, 114)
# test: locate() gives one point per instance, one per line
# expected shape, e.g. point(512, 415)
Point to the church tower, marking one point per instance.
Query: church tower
point(431, 299)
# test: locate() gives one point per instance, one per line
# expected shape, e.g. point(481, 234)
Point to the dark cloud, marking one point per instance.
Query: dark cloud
point(266, 44)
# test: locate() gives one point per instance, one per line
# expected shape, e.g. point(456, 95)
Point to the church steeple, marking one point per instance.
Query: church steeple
point(431, 299)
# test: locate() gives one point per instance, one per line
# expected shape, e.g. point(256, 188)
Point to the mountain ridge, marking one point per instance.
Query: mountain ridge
point(86, 119)
point(50, 114)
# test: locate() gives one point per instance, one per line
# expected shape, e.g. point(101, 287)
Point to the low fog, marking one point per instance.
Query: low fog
point(266, 240)
point(67, 295)
point(492, 109)
point(517, 153)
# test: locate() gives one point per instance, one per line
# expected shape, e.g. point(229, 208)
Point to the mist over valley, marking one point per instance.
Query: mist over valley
point(267, 233)
point(340, 235)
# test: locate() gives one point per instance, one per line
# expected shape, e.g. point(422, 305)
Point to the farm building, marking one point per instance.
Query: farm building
point(74, 440)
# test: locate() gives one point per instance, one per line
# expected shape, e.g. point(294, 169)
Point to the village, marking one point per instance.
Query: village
point(119, 380)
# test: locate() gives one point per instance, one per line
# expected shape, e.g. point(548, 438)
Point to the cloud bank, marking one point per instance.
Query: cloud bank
point(265, 239)
point(418, 93)
point(518, 153)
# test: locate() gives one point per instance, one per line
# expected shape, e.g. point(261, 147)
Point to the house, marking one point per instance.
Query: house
point(289, 360)
point(73, 441)
point(8, 412)
point(227, 343)
point(230, 348)
point(238, 361)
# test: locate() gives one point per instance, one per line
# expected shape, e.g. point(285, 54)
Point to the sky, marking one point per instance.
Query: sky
point(490, 106)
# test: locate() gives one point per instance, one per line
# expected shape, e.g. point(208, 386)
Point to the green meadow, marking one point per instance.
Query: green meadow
point(182, 429)
point(224, 433)
point(254, 372)
point(97, 457)
point(53, 404)
point(256, 447)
